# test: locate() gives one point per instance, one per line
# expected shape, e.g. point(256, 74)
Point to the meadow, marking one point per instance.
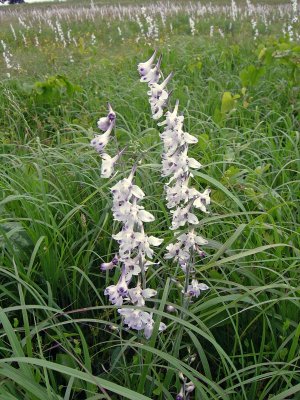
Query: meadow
point(236, 76)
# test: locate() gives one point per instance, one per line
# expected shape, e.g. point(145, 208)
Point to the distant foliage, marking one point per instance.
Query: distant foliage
point(12, 2)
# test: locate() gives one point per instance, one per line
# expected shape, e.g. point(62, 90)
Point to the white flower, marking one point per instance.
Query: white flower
point(173, 250)
point(149, 325)
point(138, 295)
point(181, 216)
point(128, 240)
point(132, 318)
point(189, 387)
point(195, 288)
point(108, 164)
point(158, 94)
point(131, 214)
point(145, 242)
point(180, 395)
point(124, 190)
point(139, 320)
point(145, 67)
point(193, 163)
point(110, 265)
point(175, 138)
point(100, 141)
point(157, 109)
point(153, 75)
point(179, 192)
point(172, 120)
point(132, 267)
point(190, 239)
point(202, 200)
point(189, 139)
point(178, 252)
point(178, 165)
point(106, 122)
point(117, 292)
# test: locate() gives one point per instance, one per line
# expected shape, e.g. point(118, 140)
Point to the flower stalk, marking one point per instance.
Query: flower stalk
point(178, 167)
point(135, 246)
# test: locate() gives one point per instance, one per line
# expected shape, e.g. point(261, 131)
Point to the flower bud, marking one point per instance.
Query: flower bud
point(170, 309)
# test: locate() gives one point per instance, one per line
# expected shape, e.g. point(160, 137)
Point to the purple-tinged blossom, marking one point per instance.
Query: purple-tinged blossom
point(131, 214)
point(145, 67)
point(100, 141)
point(189, 387)
point(153, 75)
point(195, 289)
point(108, 164)
point(117, 292)
point(139, 320)
point(178, 165)
point(180, 395)
point(110, 265)
point(145, 243)
point(172, 120)
point(139, 295)
point(181, 216)
point(107, 122)
point(125, 189)
point(203, 200)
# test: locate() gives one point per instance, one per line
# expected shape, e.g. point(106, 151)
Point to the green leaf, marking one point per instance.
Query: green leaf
point(87, 377)
point(228, 102)
point(251, 75)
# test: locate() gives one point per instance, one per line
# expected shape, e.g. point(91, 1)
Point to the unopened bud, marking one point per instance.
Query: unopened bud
point(189, 387)
point(171, 309)
point(181, 376)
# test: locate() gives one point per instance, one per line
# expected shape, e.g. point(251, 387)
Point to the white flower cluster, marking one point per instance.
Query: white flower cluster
point(192, 26)
point(177, 166)
point(135, 246)
point(106, 124)
point(7, 56)
point(134, 257)
point(186, 389)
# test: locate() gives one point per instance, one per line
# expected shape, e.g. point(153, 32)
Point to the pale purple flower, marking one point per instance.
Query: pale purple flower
point(108, 164)
point(100, 141)
point(180, 395)
point(139, 320)
point(181, 216)
point(117, 292)
point(110, 265)
point(189, 387)
point(203, 200)
point(132, 213)
point(125, 189)
point(195, 289)
point(153, 75)
point(172, 120)
point(139, 295)
point(145, 242)
point(190, 239)
point(132, 318)
point(145, 67)
point(107, 122)
point(178, 165)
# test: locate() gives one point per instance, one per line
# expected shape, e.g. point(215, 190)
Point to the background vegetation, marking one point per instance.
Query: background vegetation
point(59, 338)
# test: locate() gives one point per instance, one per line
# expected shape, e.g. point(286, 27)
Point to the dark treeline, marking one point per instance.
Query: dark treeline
point(12, 1)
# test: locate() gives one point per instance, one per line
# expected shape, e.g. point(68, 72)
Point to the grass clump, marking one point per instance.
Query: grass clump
point(59, 338)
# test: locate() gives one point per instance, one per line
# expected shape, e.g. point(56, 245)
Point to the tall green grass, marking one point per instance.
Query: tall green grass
point(59, 338)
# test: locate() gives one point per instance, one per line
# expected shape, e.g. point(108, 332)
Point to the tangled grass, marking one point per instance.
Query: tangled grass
point(59, 339)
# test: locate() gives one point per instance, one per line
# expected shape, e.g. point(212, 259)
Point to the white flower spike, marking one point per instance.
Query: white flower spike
point(145, 67)
point(178, 166)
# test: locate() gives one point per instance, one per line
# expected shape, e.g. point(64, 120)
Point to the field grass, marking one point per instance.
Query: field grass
point(60, 338)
